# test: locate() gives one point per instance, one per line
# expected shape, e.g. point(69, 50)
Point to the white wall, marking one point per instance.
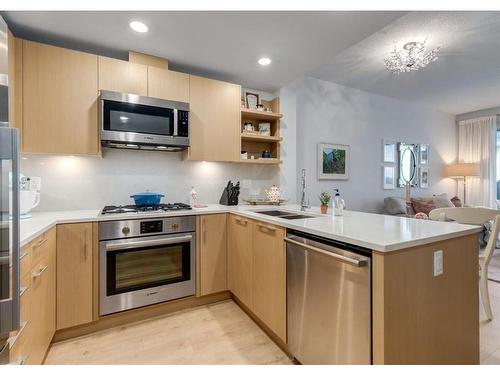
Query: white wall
point(75, 182)
point(330, 113)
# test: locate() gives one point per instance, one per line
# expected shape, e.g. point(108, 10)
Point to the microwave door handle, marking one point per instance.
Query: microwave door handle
point(176, 122)
point(144, 243)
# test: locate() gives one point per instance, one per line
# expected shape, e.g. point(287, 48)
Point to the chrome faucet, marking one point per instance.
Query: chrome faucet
point(303, 203)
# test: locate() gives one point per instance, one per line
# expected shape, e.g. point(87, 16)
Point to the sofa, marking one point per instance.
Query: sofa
point(398, 206)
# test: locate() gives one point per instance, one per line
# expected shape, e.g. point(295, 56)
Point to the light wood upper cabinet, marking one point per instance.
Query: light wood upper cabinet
point(269, 276)
point(59, 100)
point(240, 259)
point(74, 275)
point(214, 120)
point(123, 76)
point(167, 84)
point(213, 253)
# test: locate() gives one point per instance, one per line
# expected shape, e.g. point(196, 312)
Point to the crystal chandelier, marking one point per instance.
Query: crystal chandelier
point(413, 56)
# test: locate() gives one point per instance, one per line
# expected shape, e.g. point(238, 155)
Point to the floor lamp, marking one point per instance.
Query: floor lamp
point(462, 171)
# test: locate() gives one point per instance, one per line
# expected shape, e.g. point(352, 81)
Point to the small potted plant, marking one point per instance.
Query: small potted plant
point(324, 198)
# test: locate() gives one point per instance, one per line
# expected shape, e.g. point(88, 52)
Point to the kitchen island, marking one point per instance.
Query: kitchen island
point(421, 311)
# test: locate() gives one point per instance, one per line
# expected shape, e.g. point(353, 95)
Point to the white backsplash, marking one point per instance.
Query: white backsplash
point(84, 182)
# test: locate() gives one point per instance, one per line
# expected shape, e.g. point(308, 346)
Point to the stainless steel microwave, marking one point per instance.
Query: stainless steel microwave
point(141, 122)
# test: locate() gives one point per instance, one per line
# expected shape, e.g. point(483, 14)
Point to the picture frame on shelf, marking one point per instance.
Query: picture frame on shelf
point(388, 151)
point(388, 177)
point(424, 179)
point(423, 153)
point(252, 100)
point(333, 161)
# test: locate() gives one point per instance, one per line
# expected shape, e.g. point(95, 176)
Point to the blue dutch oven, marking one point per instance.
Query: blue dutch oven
point(147, 198)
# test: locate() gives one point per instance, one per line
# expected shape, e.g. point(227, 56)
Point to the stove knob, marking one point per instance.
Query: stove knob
point(125, 230)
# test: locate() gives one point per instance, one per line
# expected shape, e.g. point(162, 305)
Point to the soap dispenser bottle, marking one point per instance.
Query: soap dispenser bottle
point(338, 204)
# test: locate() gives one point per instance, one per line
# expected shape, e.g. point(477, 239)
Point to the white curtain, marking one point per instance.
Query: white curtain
point(477, 144)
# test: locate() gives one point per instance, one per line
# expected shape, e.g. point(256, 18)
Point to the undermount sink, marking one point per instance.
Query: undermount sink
point(285, 214)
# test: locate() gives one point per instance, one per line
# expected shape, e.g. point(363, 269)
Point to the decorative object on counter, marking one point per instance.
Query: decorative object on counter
point(147, 198)
point(273, 194)
point(260, 107)
point(252, 100)
point(324, 198)
point(333, 161)
point(424, 177)
point(265, 128)
point(421, 216)
point(28, 199)
point(244, 155)
point(264, 201)
point(389, 178)
point(266, 154)
point(423, 151)
point(389, 151)
point(230, 194)
point(193, 197)
point(338, 204)
point(248, 127)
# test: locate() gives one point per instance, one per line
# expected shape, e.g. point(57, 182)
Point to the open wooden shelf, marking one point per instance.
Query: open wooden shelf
point(252, 114)
point(270, 161)
point(260, 138)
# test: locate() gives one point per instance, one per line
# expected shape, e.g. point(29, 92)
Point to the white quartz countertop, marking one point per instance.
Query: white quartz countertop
point(382, 233)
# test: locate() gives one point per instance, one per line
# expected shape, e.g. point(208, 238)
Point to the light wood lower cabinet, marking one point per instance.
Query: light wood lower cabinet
point(213, 253)
point(269, 276)
point(240, 262)
point(74, 275)
point(257, 270)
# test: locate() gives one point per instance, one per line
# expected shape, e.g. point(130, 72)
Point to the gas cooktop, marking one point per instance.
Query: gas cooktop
point(148, 208)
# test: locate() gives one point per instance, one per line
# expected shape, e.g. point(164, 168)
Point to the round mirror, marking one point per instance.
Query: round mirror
point(408, 165)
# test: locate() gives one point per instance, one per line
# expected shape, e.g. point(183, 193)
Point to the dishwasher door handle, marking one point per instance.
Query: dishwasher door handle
point(340, 258)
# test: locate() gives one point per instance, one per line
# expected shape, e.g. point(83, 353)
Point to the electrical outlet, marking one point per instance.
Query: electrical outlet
point(438, 262)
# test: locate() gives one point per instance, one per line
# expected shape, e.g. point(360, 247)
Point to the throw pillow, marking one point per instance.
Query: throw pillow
point(456, 201)
point(424, 205)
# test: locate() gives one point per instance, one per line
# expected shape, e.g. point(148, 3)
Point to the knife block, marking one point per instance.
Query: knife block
point(226, 200)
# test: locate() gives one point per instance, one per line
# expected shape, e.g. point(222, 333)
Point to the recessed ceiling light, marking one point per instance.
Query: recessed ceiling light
point(264, 61)
point(138, 26)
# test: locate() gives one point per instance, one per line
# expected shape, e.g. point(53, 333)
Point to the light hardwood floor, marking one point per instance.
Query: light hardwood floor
point(219, 333)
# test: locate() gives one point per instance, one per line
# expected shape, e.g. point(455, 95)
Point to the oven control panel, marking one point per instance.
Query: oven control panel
point(155, 226)
point(109, 230)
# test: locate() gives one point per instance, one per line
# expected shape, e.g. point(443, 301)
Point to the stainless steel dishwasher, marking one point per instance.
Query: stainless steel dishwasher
point(329, 301)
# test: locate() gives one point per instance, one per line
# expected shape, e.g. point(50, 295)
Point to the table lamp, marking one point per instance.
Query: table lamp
point(462, 171)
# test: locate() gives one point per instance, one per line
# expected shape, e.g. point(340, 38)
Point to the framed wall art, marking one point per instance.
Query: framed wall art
point(333, 161)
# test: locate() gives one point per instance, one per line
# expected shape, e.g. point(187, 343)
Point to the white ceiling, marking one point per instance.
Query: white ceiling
point(223, 45)
point(347, 48)
point(466, 77)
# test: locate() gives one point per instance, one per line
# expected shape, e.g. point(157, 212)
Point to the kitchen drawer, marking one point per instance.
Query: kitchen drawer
point(36, 248)
point(25, 297)
point(25, 259)
point(20, 345)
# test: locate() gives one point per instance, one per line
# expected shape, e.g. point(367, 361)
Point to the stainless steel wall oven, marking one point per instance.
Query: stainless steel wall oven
point(142, 262)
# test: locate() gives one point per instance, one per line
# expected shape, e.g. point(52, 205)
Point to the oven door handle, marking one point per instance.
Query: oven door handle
point(144, 243)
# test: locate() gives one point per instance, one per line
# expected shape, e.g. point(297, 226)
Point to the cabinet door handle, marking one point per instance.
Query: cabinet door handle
point(39, 243)
point(40, 272)
point(204, 227)
point(267, 227)
point(85, 244)
point(242, 221)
